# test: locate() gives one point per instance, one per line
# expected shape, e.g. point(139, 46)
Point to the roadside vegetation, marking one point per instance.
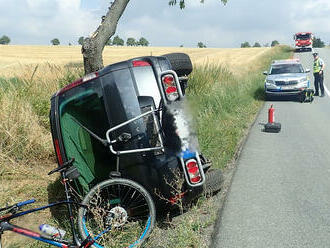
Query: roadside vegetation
point(224, 103)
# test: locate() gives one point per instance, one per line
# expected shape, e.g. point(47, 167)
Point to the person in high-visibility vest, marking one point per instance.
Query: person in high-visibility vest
point(318, 74)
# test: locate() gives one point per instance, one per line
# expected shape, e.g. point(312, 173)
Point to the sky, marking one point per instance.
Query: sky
point(39, 21)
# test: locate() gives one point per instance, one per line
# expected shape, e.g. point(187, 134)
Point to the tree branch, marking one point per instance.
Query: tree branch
point(183, 5)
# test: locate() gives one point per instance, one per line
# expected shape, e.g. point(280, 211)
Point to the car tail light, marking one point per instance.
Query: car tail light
point(193, 171)
point(78, 82)
point(170, 87)
point(58, 152)
point(139, 63)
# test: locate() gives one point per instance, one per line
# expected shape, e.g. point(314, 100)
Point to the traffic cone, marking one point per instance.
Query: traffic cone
point(272, 126)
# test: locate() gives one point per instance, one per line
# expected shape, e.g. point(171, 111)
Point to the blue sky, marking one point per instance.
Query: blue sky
point(39, 21)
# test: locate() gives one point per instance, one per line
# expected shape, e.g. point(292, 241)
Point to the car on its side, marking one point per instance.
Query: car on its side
point(286, 78)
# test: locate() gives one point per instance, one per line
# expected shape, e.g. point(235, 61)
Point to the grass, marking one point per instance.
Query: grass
point(26, 150)
point(225, 91)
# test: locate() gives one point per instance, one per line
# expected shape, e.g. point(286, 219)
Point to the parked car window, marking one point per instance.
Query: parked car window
point(286, 68)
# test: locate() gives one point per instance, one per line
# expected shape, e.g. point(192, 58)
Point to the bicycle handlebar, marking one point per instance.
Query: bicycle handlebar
point(16, 206)
point(62, 167)
point(20, 204)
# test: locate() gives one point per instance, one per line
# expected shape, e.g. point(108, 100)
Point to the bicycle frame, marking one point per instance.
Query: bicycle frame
point(6, 226)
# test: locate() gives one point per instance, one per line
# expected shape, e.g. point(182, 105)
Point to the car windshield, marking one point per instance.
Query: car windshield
point(286, 68)
point(303, 36)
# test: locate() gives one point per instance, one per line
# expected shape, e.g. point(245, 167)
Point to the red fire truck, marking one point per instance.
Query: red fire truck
point(303, 41)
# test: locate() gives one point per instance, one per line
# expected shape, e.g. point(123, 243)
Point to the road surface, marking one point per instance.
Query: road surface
point(280, 194)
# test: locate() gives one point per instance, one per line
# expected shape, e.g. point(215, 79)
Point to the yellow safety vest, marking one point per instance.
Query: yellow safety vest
point(317, 66)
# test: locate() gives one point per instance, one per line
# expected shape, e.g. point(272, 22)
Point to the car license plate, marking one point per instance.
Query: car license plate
point(287, 87)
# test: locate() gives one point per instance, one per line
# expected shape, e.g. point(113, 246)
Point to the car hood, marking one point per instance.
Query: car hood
point(287, 76)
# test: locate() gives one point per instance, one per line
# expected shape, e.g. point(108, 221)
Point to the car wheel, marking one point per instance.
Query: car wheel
point(213, 181)
point(180, 63)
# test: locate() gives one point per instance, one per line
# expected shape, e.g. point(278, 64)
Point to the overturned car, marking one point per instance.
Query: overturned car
point(129, 120)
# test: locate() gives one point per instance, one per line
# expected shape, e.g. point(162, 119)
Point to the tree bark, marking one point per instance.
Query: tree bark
point(93, 46)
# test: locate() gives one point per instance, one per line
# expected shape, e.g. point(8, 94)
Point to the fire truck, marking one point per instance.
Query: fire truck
point(303, 41)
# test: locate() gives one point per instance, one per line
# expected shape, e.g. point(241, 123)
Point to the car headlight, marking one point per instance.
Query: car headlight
point(270, 81)
point(302, 80)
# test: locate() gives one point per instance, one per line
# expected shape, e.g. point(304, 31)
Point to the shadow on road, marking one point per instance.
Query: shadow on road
point(259, 95)
point(296, 98)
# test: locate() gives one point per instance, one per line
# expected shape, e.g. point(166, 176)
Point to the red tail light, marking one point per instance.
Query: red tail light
point(139, 63)
point(58, 152)
point(168, 80)
point(193, 171)
point(170, 87)
point(80, 81)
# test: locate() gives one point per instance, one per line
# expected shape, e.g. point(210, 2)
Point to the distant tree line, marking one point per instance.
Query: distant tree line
point(257, 44)
point(55, 42)
point(4, 40)
point(117, 41)
point(318, 43)
point(201, 45)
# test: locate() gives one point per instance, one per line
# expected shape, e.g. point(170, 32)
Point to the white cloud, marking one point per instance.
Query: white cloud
point(39, 21)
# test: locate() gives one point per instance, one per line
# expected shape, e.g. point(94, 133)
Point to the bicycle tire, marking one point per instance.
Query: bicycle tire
point(109, 207)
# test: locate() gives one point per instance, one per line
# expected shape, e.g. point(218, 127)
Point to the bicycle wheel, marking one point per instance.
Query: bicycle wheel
point(120, 211)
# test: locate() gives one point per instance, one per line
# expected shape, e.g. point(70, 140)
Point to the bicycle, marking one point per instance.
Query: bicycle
point(115, 213)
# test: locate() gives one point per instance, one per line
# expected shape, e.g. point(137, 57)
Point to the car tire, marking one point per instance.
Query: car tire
point(213, 181)
point(180, 63)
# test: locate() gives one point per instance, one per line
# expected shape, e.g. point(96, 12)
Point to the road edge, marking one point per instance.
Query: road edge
point(229, 174)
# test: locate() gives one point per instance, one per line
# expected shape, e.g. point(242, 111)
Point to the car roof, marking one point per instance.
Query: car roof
point(286, 61)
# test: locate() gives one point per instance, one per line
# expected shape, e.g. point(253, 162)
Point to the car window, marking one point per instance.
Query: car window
point(303, 36)
point(84, 106)
point(287, 68)
point(146, 83)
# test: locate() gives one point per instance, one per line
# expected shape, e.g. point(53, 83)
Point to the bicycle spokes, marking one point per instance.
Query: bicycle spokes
point(122, 210)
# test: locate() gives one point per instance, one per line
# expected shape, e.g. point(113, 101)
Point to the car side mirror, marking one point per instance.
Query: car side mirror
point(265, 72)
point(307, 70)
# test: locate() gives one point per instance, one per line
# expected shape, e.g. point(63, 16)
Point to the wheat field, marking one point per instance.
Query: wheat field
point(14, 59)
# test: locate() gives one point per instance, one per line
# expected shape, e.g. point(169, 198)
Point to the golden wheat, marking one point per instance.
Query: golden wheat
point(16, 60)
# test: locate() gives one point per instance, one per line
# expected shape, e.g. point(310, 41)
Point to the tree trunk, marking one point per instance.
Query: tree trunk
point(93, 46)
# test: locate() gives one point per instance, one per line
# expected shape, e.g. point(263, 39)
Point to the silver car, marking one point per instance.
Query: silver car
point(286, 78)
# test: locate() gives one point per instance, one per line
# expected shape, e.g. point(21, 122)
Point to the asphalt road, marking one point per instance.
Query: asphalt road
point(280, 194)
